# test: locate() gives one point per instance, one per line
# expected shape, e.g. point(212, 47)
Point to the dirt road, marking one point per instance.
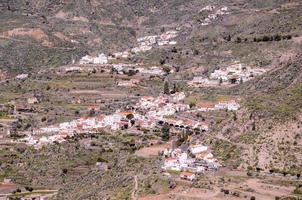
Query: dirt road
point(134, 192)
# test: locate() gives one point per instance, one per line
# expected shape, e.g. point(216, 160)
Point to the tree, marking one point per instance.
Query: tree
point(195, 52)
point(228, 38)
point(30, 189)
point(174, 50)
point(162, 61)
point(131, 72)
point(192, 104)
point(91, 112)
point(277, 37)
point(220, 81)
point(166, 88)
point(162, 29)
point(130, 116)
point(64, 171)
point(226, 192)
point(235, 116)
point(43, 119)
point(254, 126)
point(165, 132)
point(175, 88)
point(181, 138)
point(265, 38)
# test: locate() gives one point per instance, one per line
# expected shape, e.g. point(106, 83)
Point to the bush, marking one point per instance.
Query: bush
point(174, 50)
point(195, 52)
point(30, 189)
point(238, 40)
point(265, 38)
point(162, 61)
point(192, 104)
point(166, 88)
point(64, 171)
point(277, 37)
point(165, 132)
point(298, 191)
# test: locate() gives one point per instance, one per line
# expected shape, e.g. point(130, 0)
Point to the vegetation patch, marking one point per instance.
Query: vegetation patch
point(284, 104)
point(249, 137)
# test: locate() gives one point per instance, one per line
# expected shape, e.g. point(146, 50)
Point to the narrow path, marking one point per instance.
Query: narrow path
point(134, 192)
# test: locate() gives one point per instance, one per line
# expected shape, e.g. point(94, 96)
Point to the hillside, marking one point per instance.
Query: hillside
point(157, 99)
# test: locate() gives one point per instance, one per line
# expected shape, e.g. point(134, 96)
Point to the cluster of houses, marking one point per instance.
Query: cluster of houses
point(231, 105)
point(147, 113)
point(190, 160)
point(148, 42)
point(145, 43)
point(211, 17)
point(233, 74)
point(99, 59)
point(156, 110)
point(122, 68)
point(135, 68)
point(59, 133)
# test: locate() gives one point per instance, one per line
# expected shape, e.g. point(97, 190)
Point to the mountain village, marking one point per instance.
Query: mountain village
point(150, 100)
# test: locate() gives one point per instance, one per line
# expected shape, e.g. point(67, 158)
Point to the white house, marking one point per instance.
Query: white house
point(100, 59)
point(187, 176)
point(171, 163)
point(198, 149)
point(22, 76)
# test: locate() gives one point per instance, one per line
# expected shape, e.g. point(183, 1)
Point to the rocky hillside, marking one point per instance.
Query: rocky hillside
point(265, 133)
point(51, 33)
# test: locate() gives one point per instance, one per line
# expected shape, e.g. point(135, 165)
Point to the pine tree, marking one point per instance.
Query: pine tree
point(165, 132)
point(166, 88)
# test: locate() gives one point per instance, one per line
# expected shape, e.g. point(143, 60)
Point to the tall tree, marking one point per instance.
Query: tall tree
point(165, 132)
point(166, 88)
